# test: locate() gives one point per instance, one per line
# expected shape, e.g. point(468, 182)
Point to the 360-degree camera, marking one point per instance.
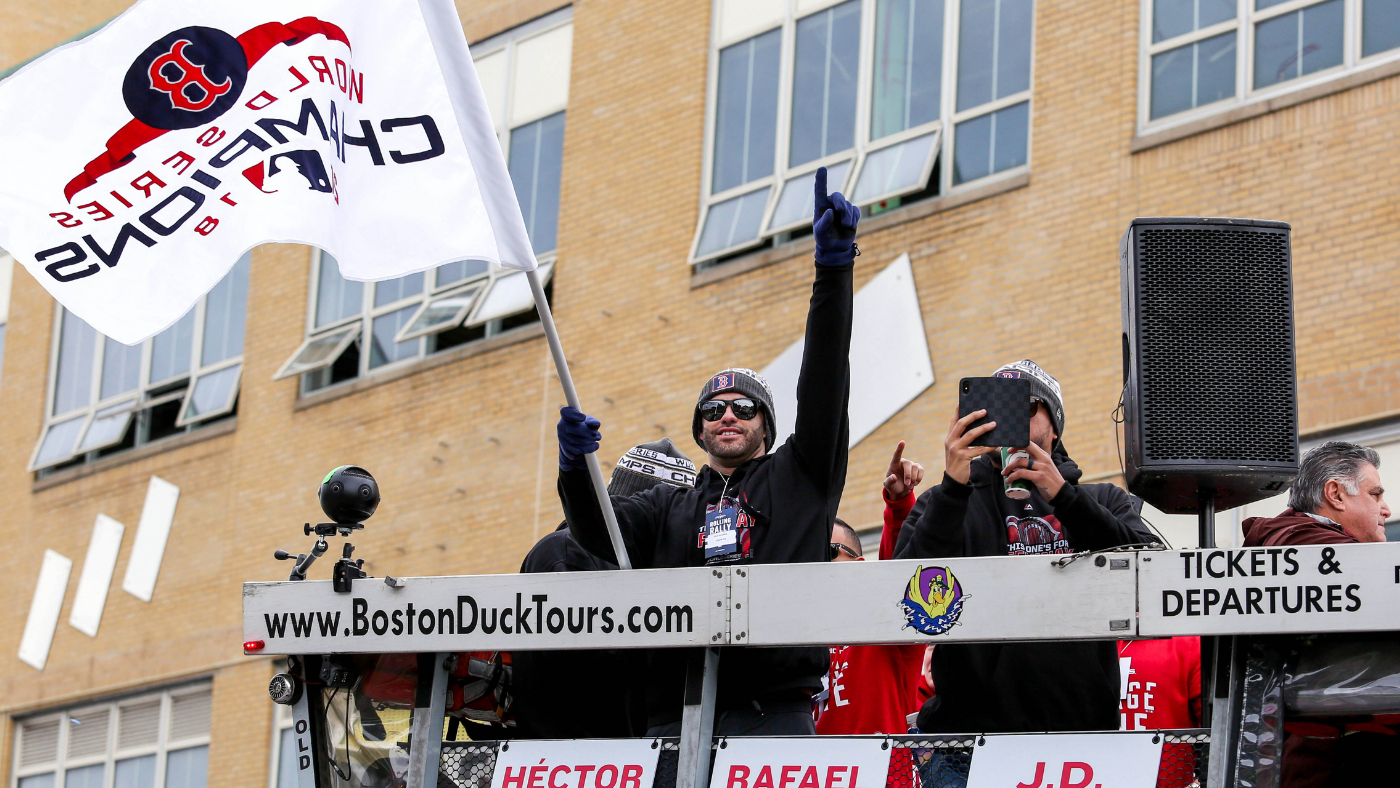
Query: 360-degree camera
point(349, 495)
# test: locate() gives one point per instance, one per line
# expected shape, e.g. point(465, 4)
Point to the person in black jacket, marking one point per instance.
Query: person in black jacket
point(1020, 687)
point(545, 684)
point(748, 506)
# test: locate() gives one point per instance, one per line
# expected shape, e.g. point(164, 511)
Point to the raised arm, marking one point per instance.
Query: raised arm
point(822, 430)
point(900, 480)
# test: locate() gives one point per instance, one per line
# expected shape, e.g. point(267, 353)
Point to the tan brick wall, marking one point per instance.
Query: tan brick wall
point(465, 451)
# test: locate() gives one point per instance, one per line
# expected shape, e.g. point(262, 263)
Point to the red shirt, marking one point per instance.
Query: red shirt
point(1162, 683)
point(872, 689)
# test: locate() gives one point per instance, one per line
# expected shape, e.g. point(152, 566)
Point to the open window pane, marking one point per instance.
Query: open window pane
point(441, 313)
point(898, 169)
point(135, 773)
point(509, 295)
point(382, 347)
point(1380, 26)
point(991, 143)
point(171, 350)
point(224, 315)
point(824, 83)
point(536, 165)
point(391, 290)
point(994, 50)
point(1194, 75)
point(795, 201)
point(908, 65)
point(77, 344)
point(1297, 44)
point(58, 442)
point(121, 368)
point(108, 427)
point(733, 222)
point(211, 394)
point(1172, 18)
point(746, 111)
point(336, 297)
point(319, 351)
point(460, 271)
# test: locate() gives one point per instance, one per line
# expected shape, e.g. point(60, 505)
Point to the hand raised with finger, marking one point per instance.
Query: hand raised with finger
point(834, 222)
point(902, 476)
point(958, 451)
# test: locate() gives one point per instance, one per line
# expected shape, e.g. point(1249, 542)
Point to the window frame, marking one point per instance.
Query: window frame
point(140, 398)
point(282, 719)
point(162, 748)
point(862, 145)
point(1244, 25)
point(484, 281)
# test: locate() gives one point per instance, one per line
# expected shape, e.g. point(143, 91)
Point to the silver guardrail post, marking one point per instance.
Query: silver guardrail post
point(698, 719)
point(428, 714)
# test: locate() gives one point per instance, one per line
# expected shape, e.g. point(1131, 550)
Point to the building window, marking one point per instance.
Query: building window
point(106, 397)
point(1203, 56)
point(149, 740)
point(355, 329)
point(362, 328)
point(867, 89)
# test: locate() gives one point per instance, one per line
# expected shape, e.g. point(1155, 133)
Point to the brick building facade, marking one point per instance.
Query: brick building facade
point(1013, 253)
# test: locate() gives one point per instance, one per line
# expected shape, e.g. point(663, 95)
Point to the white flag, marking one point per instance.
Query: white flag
point(137, 165)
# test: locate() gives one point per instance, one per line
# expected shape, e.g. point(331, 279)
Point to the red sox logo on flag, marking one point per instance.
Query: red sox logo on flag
point(211, 128)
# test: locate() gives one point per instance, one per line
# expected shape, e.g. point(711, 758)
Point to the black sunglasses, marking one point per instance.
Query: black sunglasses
point(713, 410)
point(837, 549)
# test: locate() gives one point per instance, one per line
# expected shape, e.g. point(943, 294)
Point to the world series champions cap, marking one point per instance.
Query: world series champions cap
point(646, 465)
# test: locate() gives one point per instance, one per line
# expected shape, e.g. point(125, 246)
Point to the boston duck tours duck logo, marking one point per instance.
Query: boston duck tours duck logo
point(933, 600)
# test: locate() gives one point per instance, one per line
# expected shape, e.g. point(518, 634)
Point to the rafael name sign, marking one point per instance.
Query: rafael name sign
point(1078, 760)
point(592, 763)
point(1319, 588)
point(801, 762)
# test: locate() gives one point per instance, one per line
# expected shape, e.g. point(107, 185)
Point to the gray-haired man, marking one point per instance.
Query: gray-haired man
point(1338, 498)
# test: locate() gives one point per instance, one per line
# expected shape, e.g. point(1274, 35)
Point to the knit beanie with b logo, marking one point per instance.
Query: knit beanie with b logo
point(1044, 388)
point(742, 381)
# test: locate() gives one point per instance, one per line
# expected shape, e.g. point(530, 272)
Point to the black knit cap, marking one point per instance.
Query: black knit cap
point(648, 464)
point(746, 382)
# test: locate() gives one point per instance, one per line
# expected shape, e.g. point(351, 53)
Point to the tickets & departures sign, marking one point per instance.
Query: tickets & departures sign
point(1316, 588)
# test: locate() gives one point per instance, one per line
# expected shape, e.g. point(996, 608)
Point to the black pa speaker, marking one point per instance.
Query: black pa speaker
point(1210, 402)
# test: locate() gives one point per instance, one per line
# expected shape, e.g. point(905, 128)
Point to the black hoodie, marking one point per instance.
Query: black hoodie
point(1021, 687)
point(787, 501)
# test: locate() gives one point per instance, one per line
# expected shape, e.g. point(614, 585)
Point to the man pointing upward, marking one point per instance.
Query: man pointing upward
point(748, 505)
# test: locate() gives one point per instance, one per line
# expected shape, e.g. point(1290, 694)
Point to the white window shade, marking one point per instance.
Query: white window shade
point(541, 82)
point(509, 295)
point(889, 356)
point(96, 578)
point(189, 715)
point(44, 609)
point(491, 72)
point(148, 549)
point(38, 742)
point(739, 19)
point(319, 351)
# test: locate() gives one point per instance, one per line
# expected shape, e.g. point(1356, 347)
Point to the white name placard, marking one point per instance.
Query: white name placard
point(591, 763)
point(1077, 760)
point(801, 762)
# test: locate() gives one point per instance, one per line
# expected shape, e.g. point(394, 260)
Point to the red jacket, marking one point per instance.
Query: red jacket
point(872, 689)
point(1292, 528)
point(1163, 686)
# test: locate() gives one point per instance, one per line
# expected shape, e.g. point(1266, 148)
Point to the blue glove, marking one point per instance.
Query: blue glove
point(578, 435)
point(834, 223)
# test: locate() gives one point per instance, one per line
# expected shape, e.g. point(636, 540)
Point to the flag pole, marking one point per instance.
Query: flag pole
point(595, 471)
